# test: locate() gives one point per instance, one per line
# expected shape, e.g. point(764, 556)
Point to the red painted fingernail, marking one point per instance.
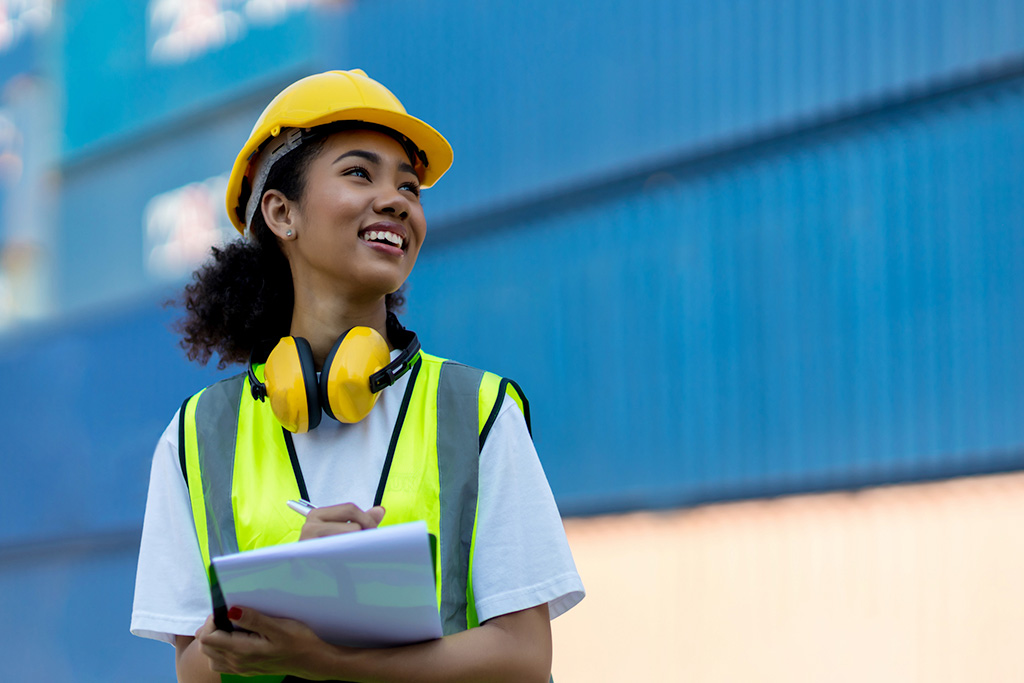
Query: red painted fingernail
point(235, 613)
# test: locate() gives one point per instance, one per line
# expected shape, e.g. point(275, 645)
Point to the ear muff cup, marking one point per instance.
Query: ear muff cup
point(290, 377)
point(345, 392)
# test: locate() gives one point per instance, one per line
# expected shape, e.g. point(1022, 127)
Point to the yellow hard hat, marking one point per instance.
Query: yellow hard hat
point(326, 98)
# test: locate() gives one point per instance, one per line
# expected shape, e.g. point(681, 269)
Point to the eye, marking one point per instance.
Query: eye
point(411, 187)
point(357, 171)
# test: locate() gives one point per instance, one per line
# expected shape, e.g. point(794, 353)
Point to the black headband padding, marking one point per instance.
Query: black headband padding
point(325, 401)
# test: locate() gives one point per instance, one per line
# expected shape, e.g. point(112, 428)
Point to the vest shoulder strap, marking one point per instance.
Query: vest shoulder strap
point(206, 452)
point(189, 404)
point(489, 387)
point(460, 439)
point(494, 399)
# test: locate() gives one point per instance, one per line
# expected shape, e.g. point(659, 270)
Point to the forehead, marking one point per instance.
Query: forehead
point(386, 147)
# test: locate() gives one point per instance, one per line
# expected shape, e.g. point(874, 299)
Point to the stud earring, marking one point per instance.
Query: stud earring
point(288, 234)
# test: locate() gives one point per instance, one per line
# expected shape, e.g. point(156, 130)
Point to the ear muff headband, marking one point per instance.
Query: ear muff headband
point(390, 373)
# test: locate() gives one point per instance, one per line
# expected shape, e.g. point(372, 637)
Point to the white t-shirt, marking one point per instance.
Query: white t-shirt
point(522, 557)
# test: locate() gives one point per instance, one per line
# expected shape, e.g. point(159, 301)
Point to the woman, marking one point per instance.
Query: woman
point(326, 193)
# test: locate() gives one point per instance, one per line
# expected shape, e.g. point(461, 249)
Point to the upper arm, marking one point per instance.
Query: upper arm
point(190, 664)
point(172, 594)
point(521, 555)
point(532, 625)
point(528, 632)
point(180, 644)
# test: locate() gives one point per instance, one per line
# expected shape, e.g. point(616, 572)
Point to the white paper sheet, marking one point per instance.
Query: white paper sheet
point(371, 588)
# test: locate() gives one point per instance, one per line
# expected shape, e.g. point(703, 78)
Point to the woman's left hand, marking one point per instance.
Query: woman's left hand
point(267, 645)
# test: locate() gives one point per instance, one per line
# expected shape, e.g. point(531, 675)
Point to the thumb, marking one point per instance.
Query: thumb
point(377, 512)
point(245, 618)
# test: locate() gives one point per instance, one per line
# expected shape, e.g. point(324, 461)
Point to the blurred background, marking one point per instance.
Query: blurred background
point(756, 263)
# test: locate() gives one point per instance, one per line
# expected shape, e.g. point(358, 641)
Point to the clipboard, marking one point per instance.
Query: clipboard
point(373, 588)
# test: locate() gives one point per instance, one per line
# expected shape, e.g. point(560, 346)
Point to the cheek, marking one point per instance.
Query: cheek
point(334, 203)
point(419, 224)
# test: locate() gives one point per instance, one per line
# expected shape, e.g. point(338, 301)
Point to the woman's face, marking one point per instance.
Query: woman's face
point(359, 225)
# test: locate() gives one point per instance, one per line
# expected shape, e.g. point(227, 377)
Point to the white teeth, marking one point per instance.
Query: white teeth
point(373, 235)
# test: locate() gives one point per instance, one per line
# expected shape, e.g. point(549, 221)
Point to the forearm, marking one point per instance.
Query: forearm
point(515, 647)
point(190, 664)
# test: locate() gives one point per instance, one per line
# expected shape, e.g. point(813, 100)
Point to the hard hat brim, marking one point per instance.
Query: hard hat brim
point(438, 151)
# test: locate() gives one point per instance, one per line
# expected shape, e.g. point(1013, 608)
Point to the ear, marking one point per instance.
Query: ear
point(280, 214)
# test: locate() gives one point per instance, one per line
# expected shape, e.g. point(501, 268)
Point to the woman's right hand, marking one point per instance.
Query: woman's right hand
point(340, 519)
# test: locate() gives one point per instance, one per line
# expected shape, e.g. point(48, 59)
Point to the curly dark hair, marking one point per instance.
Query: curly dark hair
point(243, 295)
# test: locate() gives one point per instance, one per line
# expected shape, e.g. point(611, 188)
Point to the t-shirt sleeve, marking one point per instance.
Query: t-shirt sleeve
point(522, 557)
point(172, 595)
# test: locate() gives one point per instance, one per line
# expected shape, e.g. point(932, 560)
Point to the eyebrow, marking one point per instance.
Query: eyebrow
point(374, 158)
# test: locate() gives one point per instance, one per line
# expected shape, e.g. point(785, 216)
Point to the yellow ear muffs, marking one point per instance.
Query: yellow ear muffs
point(345, 392)
point(356, 369)
point(290, 377)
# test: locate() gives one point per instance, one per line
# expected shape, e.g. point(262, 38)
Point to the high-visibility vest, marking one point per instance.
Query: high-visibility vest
point(240, 467)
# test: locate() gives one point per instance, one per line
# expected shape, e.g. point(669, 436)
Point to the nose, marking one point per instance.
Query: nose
point(393, 203)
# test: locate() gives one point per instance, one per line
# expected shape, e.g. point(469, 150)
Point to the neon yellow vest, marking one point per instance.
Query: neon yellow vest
point(239, 478)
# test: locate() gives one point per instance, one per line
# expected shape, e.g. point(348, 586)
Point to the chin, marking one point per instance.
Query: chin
point(381, 287)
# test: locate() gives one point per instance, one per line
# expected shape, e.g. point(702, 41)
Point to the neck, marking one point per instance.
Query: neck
point(321, 321)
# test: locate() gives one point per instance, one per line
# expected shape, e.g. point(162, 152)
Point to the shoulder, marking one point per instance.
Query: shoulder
point(220, 393)
point(204, 410)
point(170, 435)
point(233, 381)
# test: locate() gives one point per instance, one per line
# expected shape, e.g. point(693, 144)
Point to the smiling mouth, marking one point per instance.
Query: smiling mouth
point(383, 237)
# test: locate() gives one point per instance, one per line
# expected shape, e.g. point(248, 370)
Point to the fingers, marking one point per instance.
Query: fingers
point(350, 513)
point(207, 628)
point(274, 629)
point(248, 619)
point(377, 512)
point(229, 652)
point(340, 519)
point(259, 645)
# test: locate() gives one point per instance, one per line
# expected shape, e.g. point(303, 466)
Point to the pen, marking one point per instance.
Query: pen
point(301, 506)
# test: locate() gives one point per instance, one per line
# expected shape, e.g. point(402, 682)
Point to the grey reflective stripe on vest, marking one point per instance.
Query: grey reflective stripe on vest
point(458, 459)
point(216, 431)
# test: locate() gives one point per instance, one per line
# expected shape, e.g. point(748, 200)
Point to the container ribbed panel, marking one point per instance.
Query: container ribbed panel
point(826, 312)
point(539, 96)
